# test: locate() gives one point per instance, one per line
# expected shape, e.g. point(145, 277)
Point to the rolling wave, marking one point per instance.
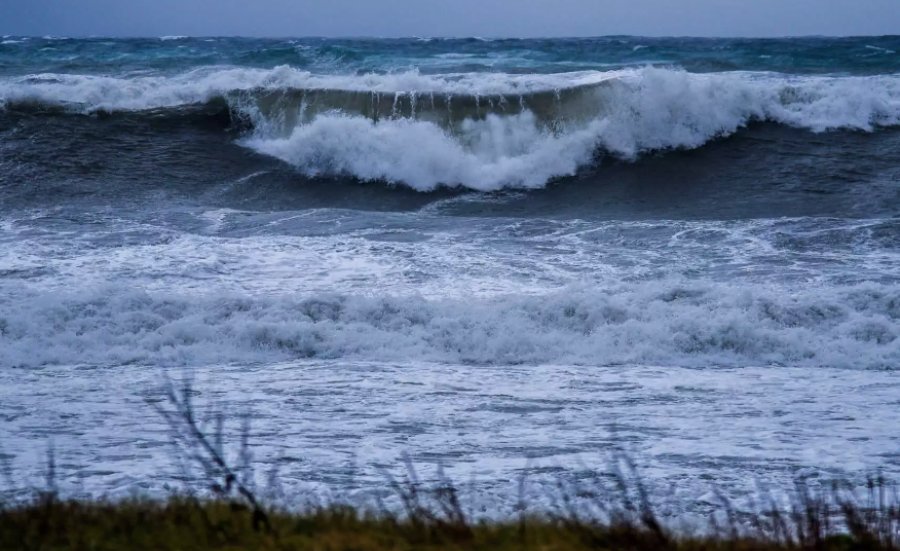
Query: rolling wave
point(477, 130)
point(669, 322)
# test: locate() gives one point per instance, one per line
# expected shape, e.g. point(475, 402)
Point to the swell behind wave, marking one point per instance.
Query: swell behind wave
point(481, 131)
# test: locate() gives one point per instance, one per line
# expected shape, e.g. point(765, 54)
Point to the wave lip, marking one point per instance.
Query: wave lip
point(97, 93)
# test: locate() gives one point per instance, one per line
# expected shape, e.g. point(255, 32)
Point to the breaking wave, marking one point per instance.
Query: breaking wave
point(668, 322)
point(482, 131)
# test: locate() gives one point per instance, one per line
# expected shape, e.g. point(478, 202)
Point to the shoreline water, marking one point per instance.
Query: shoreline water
point(608, 509)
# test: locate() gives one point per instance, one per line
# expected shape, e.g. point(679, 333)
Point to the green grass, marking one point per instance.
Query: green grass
point(187, 524)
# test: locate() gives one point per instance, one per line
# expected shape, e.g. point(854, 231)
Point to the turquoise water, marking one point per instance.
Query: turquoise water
point(864, 55)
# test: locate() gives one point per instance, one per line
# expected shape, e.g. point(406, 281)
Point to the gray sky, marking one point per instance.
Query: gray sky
point(449, 17)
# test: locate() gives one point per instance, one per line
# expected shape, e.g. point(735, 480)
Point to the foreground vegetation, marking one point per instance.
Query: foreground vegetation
point(182, 523)
point(612, 513)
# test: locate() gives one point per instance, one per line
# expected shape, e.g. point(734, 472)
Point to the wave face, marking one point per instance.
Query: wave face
point(480, 131)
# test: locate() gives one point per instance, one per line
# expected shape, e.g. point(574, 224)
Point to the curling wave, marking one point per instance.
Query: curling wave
point(481, 131)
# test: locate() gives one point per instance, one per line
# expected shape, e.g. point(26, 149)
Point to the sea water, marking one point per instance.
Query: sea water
point(509, 258)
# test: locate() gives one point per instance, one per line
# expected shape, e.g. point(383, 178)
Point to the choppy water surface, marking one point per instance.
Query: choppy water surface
point(501, 256)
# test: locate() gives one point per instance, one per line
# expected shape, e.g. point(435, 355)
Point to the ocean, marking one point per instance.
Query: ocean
point(506, 259)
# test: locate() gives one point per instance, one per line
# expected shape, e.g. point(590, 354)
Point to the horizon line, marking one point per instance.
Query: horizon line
point(440, 37)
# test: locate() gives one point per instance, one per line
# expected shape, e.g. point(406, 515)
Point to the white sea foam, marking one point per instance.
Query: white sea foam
point(488, 154)
point(622, 112)
point(887, 51)
point(672, 322)
point(642, 110)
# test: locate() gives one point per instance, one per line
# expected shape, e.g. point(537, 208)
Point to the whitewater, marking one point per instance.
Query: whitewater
point(482, 131)
point(508, 258)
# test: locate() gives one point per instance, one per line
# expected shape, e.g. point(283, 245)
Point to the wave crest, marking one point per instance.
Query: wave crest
point(527, 140)
point(482, 131)
point(671, 322)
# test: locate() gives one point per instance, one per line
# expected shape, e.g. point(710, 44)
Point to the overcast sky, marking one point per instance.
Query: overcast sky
point(449, 17)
